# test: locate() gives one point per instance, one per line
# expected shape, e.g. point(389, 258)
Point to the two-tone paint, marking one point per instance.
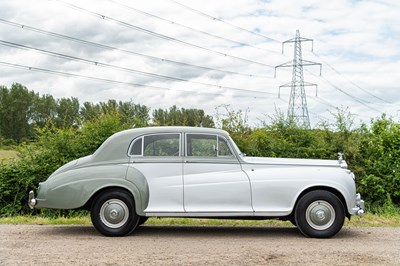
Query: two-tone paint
point(189, 186)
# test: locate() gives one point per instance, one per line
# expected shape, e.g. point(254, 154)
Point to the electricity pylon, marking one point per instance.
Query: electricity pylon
point(298, 110)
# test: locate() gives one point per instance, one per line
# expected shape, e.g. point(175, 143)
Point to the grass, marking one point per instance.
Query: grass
point(8, 154)
point(81, 220)
point(370, 220)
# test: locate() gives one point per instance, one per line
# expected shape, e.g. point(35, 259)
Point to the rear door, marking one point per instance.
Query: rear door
point(156, 159)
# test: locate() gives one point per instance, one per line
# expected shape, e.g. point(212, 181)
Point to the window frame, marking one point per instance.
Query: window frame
point(142, 138)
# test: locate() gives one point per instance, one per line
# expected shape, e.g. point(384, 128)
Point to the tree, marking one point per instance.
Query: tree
point(67, 112)
point(134, 115)
point(182, 117)
point(90, 111)
point(16, 106)
point(44, 109)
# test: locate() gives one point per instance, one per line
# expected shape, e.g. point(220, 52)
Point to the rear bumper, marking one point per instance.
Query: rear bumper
point(31, 200)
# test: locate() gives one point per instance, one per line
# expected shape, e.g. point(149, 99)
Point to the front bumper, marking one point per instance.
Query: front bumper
point(360, 206)
point(31, 200)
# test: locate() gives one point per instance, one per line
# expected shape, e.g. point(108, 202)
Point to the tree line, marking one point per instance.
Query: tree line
point(372, 151)
point(22, 111)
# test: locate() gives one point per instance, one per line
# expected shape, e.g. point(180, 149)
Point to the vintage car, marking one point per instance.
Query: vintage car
point(198, 172)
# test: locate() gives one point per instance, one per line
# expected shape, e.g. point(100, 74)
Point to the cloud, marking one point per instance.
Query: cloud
point(357, 40)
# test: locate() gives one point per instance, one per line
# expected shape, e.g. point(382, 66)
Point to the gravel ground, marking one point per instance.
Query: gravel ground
point(184, 245)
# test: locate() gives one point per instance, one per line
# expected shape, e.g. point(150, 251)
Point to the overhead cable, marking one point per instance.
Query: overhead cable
point(139, 72)
point(223, 21)
point(107, 47)
point(354, 84)
point(61, 73)
point(349, 95)
point(190, 28)
point(158, 35)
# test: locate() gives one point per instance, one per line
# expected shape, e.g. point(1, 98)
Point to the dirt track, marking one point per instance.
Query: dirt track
point(174, 245)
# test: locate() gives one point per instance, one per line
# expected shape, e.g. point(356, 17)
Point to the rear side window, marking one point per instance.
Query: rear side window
point(156, 145)
point(137, 147)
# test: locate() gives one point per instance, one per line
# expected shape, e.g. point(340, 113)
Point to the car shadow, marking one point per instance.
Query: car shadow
point(196, 231)
point(217, 231)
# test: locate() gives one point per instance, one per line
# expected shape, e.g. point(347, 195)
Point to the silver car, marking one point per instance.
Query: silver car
point(198, 172)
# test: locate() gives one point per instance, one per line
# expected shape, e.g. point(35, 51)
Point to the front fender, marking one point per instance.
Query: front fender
point(275, 190)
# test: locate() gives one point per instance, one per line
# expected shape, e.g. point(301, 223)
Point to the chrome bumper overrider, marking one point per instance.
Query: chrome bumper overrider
point(360, 205)
point(31, 200)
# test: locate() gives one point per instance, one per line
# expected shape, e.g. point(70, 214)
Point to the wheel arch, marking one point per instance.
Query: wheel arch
point(334, 191)
point(135, 195)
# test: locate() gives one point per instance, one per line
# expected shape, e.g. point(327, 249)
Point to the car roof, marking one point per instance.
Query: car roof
point(116, 146)
point(162, 129)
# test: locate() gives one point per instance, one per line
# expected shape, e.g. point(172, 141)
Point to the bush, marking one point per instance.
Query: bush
point(373, 154)
point(53, 148)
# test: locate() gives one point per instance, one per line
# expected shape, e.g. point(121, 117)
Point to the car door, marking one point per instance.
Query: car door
point(213, 179)
point(156, 160)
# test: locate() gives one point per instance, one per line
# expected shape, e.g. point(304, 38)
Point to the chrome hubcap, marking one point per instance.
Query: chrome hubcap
point(320, 215)
point(114, 213)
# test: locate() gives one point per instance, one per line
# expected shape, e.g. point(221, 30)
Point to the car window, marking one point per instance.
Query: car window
point(137, 147)
point(223, 148)
point(203, 145)
point(156, 145)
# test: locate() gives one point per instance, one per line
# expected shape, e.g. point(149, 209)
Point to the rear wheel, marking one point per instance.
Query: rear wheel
point(113, 213)
point(319, 214)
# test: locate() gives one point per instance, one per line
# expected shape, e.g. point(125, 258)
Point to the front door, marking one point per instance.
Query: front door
point(213, 178)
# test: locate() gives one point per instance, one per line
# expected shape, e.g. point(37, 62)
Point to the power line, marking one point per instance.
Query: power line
point(223, 21)
point(354, 98)
point(97, 63)
point(107, 47)
point(351, 82)
point(322, 101)
point(158, 35)
point(131, 84)
point(188, 27)
point(349, 95)
point(60, 73)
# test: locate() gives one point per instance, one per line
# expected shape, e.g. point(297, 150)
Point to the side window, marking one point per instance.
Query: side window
point(161, 145)
point(207, 146)
point(137, 147)
point(223, 148)
point(156, 145)
point(201, 145)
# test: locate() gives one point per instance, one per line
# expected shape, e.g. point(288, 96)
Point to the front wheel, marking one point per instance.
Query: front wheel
point(319, 214)
point(113, 213)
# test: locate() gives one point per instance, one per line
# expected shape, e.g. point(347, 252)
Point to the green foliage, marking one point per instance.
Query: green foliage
point(372, 153)
point(15, 110)
point(63, 130)
point(67, 112)
point(380, 162)
point(182, 117)
point(131, 114)
point(53, 148)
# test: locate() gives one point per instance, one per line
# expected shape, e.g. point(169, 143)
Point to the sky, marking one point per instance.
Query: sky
point(207, 54)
